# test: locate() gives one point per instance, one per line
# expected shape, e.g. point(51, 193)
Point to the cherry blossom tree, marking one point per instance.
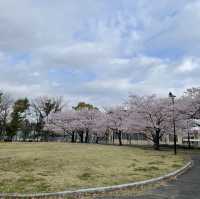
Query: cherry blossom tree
point(88, 119)
point(6, 102)
point(189, 104)
point(63, 122)
point(88, 122)
point(100, 126)
point(117, 118)
point(188, 110)
point(150, 115)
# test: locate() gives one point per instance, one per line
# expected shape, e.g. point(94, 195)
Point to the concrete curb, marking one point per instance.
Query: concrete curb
point(102, 189)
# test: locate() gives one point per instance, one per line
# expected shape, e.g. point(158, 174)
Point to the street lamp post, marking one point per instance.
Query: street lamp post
point(174, 124)
point(188, 131)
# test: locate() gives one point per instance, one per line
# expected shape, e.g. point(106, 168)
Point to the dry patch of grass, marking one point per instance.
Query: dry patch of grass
point(48, 167)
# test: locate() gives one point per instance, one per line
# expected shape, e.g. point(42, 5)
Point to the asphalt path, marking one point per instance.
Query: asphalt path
point(186, 186)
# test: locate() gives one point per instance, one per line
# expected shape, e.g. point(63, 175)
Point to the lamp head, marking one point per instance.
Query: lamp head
point(171, 95)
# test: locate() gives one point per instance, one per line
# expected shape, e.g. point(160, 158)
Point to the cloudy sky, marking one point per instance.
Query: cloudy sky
point(99, 51)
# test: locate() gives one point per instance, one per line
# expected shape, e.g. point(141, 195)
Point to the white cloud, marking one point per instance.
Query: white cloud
point(98, 50)
point(35, 74)
point(78, 55)
point(109, 85)
point(189, 65)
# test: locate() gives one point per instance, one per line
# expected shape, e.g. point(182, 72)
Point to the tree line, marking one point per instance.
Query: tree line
point(44, 117)
point(25, 116)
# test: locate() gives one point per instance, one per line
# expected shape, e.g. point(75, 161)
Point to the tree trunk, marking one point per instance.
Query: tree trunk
point(1, 134)
point(46, 136)
point(97, 140)
point(87, 136)
point(24, 136)
point(37, 137)
point(127, 138)
point(73, 137)
point(80, 133)
point(34, 135)
point(10, 138)
point(107, 138)
point(120, 137)
point(157, 140)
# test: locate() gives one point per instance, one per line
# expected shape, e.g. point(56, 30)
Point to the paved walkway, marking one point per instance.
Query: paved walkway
point(187, 186)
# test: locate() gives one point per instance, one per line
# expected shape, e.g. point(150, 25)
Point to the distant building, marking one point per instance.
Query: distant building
point(183, 138)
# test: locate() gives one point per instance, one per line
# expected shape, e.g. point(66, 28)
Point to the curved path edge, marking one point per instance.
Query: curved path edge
point(104, 189)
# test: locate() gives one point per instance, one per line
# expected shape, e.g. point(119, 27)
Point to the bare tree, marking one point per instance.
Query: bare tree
point(42, 107)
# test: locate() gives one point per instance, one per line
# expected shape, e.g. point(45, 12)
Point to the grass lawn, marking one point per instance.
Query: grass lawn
point(48, 167)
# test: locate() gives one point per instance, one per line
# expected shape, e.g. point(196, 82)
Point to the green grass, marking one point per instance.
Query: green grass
point(48, 167)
